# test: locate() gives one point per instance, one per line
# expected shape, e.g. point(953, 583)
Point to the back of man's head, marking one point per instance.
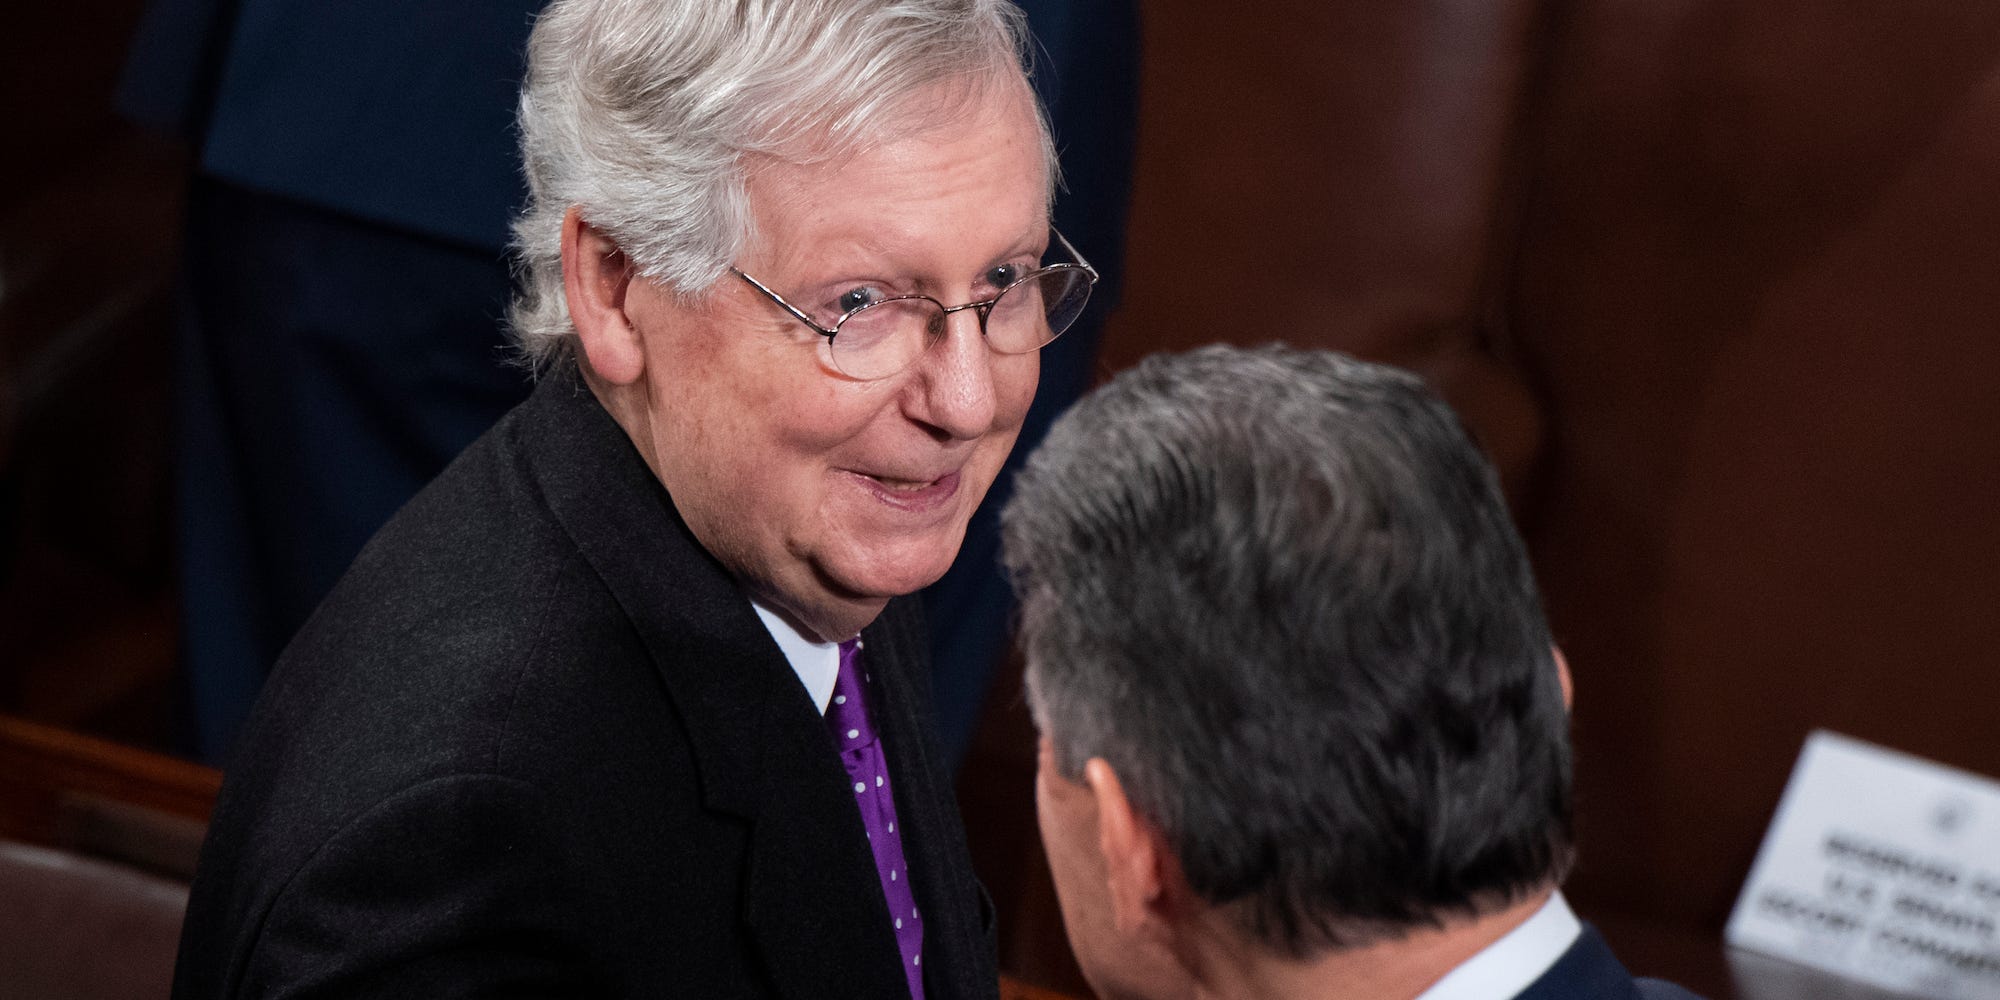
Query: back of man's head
point(1278, 592)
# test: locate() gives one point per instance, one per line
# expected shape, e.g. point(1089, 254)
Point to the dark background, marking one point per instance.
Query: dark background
point(1717, 283)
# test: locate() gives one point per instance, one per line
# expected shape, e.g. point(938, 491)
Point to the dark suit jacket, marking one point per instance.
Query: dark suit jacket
point(1588, 971)
point(536, 743)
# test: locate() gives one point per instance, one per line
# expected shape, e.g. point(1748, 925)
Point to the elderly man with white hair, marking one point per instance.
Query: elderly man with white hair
point(626, 703)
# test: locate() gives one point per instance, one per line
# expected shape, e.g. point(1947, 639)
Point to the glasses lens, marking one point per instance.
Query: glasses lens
point(879, 340)
point(1030, 314)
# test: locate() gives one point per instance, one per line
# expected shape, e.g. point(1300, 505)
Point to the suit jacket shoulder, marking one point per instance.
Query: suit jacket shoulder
point(536, 742)
point(1589, 971)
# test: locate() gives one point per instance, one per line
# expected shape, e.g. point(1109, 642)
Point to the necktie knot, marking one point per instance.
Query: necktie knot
point(847, 713)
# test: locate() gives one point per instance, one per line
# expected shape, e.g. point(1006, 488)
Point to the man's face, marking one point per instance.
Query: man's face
point(1119, 962)
point(827, 495)
point(1068, 819)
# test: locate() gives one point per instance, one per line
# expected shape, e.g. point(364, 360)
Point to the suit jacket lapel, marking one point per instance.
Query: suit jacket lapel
point(810, 895)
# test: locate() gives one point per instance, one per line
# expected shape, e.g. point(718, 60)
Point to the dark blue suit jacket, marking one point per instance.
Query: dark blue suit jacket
point(1589, 971)
point(398, 112)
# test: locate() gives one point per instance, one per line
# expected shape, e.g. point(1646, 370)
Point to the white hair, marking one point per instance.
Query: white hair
point(642, 114)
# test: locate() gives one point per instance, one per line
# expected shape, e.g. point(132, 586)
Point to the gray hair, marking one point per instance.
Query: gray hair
point(643, 113)
point(1279, 592)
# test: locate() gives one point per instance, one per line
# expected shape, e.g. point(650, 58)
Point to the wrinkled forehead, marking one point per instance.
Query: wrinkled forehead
point(983, 98)
point(965, 162)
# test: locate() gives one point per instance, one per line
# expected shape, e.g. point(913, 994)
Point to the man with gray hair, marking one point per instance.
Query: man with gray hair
point(629, 702)
point(1304, 733)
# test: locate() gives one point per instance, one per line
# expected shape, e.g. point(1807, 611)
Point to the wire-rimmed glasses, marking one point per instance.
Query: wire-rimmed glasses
point(880, 338)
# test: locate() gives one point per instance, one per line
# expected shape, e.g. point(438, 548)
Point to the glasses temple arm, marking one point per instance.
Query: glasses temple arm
point(787, 306)
point(1066, 244)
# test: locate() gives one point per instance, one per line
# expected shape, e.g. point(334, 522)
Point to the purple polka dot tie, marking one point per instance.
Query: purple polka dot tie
point(861, 753)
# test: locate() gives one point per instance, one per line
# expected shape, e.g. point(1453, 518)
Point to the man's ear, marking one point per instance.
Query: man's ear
point(1135, 853)
point(596, 277)
point(1562, 672)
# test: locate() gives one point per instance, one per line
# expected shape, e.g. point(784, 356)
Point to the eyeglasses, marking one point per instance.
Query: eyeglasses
point(876, 339)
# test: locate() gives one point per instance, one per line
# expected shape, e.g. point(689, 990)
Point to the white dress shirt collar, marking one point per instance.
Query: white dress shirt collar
point(816, 663)
point(1511, 964)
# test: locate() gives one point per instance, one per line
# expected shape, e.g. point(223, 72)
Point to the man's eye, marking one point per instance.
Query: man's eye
point(855, 298)
point(1005, 274)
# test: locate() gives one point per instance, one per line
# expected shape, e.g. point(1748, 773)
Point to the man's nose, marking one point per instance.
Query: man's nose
point(954, 390)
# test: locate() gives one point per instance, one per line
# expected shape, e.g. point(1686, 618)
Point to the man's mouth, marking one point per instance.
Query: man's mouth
point(903, 485)
point(912, 493)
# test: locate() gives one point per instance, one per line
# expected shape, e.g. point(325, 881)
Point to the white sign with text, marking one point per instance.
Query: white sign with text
point(1881, 867)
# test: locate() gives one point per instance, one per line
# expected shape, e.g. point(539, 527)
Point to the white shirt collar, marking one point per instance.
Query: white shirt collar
point(816, 663)
point(1511, 964)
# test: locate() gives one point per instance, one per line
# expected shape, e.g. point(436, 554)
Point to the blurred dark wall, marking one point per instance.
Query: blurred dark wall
point(88, 210)
point(1718, 283)
point(1759, 285)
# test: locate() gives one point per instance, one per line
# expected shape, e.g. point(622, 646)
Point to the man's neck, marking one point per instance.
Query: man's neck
point(1400, 969)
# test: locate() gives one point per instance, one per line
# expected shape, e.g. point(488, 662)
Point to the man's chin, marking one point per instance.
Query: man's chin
point(889, 571)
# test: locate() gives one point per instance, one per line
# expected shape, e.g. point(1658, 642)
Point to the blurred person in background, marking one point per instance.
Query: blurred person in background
point(1304, 732)
point(628, 702)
